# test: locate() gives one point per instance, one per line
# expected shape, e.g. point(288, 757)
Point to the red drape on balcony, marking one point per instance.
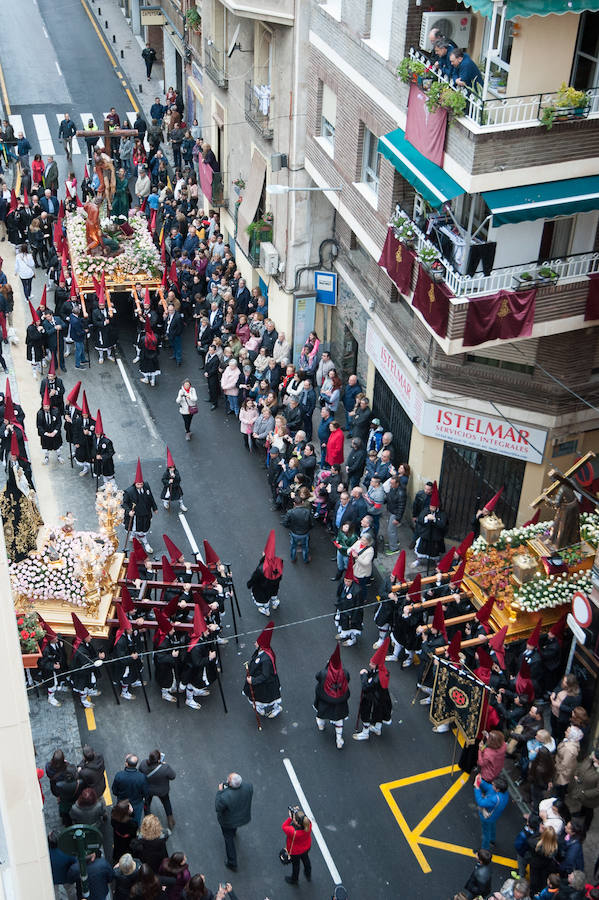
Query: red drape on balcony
point(592, 309)
point(425, 130)
point(397, 261)
point(431, 298)
point(504, 315)
point(206, 174)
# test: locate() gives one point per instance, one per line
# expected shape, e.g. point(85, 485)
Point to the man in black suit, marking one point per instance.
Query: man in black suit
point(242, 298)
point(307, 400)
point(49, 203)
point(211, 364)
point(173, 329)
point(215, 318)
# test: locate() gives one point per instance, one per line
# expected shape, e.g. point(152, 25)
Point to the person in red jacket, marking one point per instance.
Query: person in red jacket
point(335, 444)
point(491, 755)
point(298, 830)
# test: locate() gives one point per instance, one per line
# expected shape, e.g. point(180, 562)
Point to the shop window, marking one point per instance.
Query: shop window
point(565, 448)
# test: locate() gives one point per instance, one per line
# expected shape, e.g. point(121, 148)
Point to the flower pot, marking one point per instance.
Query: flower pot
point(436, 275)
point(237, 189)
point(426, 83)
point(30, 659)
point(523, 284)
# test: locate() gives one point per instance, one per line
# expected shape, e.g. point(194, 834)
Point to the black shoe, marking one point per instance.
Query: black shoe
point(308, 877)
point(290, 880)
point(232, 866)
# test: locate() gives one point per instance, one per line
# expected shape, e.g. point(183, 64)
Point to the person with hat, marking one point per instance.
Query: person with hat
point(127, 665)
point(375, 436)
point(169, 646)
point(349, 614)
point(149, 356)
point(83, 664)
point(332, 695)
point(200, 661)
point(432, 525)
point(105, 331)
point(83, 432)
point(406, 616)
point(375, 700)
point(420, 503)
point(485, 510)
point(171, 484)
point(35, 342)
point(139, 506)
point(55, 329)
point(52, 665)
point(49, 429)
point(265, 580)
point(551, 650)
point(262, 686)
point(533, 657)
point(55, 388)
point(103, 455)
point(72, 412)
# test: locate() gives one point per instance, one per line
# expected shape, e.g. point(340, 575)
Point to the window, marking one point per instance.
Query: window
point(565, 448)
point(585, 71)
point(378, 26)
point(263, 47)
point(500, 364)
point(370, 161)
point(219, 27)
point(329, 115)
point(501, 52)
point(556, 238)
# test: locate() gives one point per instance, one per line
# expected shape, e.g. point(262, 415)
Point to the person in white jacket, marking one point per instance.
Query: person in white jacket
point(187, 401)
point(25, 269)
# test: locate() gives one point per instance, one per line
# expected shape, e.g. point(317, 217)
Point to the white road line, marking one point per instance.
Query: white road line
point(17, 123)
point(315, 829)
point(57, 67)
point(131, 117)
point(190, 537)
point(130, 390)
point(76, 147)
point(45, 33)
point(85, 117)
point(43, 134)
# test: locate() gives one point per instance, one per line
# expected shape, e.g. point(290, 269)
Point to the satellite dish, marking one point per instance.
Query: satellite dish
point(233, 46)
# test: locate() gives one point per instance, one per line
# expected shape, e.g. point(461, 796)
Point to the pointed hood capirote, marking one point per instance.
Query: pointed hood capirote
point(490, 506)
point(399, 569)
point(272, 565)
point(170, 462)
point(173, 551)
point(335, 684)
point(210, 555)
point(81, 632)
point(73, 396)
point(199, 627)
point(263, 640)
point(446, 562)
point(124, 623)
point(453, 649)
point(126, 600)
point(139, 477)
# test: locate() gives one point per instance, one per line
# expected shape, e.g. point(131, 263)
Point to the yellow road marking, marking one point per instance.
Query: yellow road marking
point(407, 833)
point(4, 93)
point(90, 719)
point(423, 776)
point(465, 851)
point(131, 98)
point(99, 33)
point(107, 795)
point(440, 805)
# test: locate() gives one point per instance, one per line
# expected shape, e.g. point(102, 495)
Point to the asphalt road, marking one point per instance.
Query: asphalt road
point(228, 502)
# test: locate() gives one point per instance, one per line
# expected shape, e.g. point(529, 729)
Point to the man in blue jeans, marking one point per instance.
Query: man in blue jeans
point(78, 335)
point(299, 522)
point(491, 800)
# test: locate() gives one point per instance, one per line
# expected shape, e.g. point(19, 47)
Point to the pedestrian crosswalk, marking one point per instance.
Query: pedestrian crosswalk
point(41, 129)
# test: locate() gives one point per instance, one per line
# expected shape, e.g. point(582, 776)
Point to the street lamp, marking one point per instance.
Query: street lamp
point(283, 189)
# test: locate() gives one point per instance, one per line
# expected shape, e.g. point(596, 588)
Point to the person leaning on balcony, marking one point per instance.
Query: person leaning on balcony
point(442, 51)
point(466, 73)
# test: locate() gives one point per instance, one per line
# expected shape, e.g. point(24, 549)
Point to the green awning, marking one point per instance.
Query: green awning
point(429, 179)
point(527, 8)
point(543, 201)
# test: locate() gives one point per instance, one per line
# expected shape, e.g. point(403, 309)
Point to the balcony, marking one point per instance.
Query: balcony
point(278, 12)
point(503, 113)
point(214, 64)
point(260, 232)
point(258, 108)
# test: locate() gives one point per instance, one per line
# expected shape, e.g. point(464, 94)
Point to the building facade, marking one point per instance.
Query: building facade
point(509, 213)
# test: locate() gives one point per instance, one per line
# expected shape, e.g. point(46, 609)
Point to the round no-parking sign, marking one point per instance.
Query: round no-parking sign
point(581, 609)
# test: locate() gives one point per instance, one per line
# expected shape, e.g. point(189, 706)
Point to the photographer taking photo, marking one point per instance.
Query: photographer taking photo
point(298, 831)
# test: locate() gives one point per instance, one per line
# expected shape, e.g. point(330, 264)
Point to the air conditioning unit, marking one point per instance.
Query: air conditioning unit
point(269, 258)
point(454, 25)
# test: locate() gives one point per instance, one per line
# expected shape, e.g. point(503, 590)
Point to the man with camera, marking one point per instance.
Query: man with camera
point(233, 805)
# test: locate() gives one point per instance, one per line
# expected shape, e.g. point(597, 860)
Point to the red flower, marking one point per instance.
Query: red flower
point(25, 635)
point(19, 622)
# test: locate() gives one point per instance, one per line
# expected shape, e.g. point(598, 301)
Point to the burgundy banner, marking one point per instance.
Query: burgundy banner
point(425, 130)
point(205, 179)
point(431, 298)
point(504, 315)
point(592, 310)
point(397, 261)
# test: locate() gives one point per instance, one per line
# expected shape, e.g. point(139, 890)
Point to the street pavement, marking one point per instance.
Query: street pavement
point(381, 840)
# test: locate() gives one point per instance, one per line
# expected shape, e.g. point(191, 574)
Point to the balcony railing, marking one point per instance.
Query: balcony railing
point(258, 108)
point(505, 112)
point(214, 64)
point(569, 269)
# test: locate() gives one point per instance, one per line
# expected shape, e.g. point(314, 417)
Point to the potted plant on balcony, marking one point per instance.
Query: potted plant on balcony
point(443, 96)
point(411, 70)
point(194, 19)
point(568, 104)
point(404, 232)
point(429, 257)
point(524, 280)
point(547, 275)
point(30, 635)
point(238, 185)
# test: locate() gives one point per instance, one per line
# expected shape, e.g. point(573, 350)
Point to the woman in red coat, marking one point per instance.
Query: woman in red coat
point(335, 445)
point(491, 755)
point(298, 829)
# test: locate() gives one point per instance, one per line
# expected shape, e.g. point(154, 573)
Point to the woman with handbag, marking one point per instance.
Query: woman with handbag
point(187, 401)
point(298, 829)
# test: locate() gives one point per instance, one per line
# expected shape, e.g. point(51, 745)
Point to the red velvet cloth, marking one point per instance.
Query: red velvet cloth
point(425, 130)
point(592, 309)
point(504, 315)
point(431, 298)
point(397, 261)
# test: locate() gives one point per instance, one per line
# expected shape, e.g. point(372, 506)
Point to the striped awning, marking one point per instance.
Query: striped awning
point(527, 8)
point(429, 179)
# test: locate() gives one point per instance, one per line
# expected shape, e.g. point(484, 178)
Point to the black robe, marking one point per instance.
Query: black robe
point(171, 486)
point(72, 413)
point(349, 608)
point(263, 588)
point(166, 665)
point(104, 331)
point(431, 541)
point(327, 707)
point(84, 655)
point(126, 671)
point(375, 704)
point(83, 439)
point(55, 391)
point(198, 669)
point(143, 504)
point(265, 681)
point(35, 342)
point(49, 443)
point(103, 447)
point(51, 654)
